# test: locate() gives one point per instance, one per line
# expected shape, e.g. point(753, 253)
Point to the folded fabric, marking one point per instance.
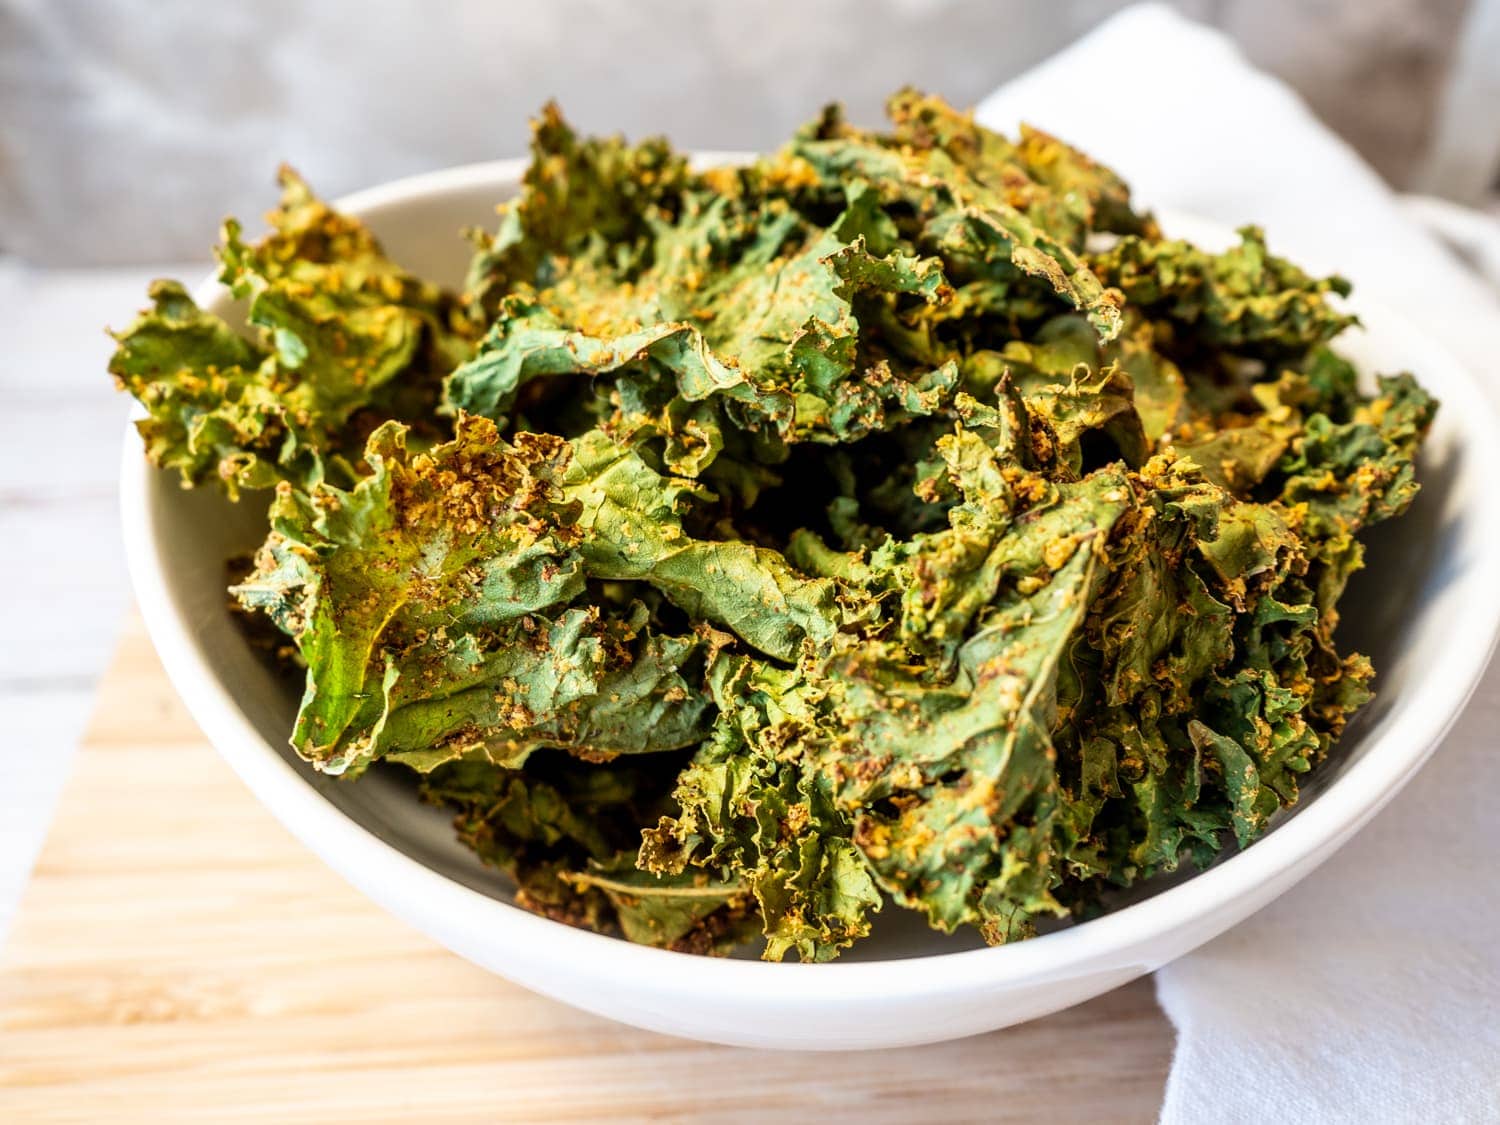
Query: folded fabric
point(1371, 991)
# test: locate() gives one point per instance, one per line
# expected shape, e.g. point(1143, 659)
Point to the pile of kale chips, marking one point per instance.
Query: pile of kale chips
point(900, 516)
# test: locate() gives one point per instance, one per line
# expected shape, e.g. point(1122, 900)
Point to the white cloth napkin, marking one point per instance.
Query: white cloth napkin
point(1371, 992)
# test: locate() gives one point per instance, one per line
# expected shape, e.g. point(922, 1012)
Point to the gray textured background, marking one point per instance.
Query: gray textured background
point(129, 128)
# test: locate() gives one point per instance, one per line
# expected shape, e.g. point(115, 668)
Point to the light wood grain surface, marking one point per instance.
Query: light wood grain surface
point(179, 957)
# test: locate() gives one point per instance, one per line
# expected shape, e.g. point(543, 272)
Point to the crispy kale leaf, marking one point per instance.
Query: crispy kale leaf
point(343, 337)
point(1243, 300)
point(630, 527)
point(437, 606)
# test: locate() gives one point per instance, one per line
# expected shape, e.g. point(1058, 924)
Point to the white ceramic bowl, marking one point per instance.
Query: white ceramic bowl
point(1427, 610)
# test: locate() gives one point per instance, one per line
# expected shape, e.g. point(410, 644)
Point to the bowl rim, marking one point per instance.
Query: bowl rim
point(1295, 846)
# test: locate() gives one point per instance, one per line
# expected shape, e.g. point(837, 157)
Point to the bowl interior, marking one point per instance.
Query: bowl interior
point(1402, 610)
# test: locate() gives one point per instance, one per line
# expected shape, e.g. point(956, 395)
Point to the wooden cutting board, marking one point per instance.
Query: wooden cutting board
point(178, 956)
